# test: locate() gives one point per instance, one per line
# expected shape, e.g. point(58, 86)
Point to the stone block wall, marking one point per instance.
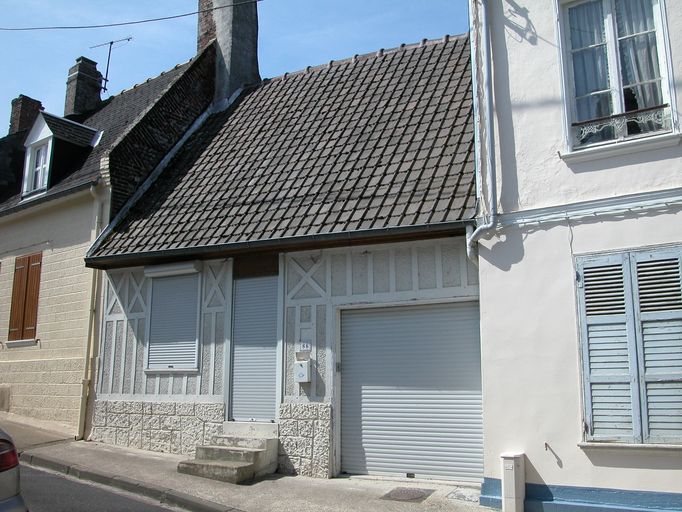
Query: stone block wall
point(170, 427)
point(305, 434)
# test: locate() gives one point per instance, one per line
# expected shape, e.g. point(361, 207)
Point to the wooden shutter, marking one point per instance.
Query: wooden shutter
point(609, 354)
point(658, 293)
point(25, 292)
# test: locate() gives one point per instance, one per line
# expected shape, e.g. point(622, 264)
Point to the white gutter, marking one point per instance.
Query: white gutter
point(99, 196)
point(491, 176)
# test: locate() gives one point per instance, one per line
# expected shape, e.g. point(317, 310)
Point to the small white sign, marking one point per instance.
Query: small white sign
point(304, 346)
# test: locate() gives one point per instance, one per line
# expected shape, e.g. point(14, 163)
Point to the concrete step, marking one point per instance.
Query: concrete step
point(230, 471)
point(258, 443)
point(218, 452)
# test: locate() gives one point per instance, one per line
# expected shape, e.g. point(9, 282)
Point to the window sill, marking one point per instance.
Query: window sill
point(627, 446)
point(21, 343)
point(32, 196)
point(171, 370)
point(621, 148)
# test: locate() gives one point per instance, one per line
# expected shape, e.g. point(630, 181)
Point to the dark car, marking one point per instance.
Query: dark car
point(10, 495)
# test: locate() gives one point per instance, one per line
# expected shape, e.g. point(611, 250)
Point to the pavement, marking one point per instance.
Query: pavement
point(153, 475)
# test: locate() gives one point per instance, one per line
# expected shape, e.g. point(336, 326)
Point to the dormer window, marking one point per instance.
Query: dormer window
point(55, 147)
point(38, 169)
point(617, 69)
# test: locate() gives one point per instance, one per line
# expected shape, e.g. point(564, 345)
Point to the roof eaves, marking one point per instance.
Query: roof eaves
point(48, 198)
point(296, 243)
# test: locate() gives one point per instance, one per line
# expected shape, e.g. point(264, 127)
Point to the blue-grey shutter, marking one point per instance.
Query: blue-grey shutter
point(173, 341)
point(254, 349)
point(611, 394)
point(658, 292)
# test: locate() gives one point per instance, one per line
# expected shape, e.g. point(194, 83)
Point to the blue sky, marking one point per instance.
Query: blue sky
point(293, 35)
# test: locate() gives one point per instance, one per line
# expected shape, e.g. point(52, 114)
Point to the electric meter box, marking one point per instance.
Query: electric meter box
point(302, 371)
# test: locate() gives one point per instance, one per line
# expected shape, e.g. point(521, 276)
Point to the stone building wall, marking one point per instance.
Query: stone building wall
point(305, 434)
point(170, 427)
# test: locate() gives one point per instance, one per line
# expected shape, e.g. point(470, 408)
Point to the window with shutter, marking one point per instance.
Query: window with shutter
point(631, 327)
point(25, 291)
point(173, 336)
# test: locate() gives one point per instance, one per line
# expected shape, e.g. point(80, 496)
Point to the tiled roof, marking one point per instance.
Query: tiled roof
point(116, 118)
point(372, 143)
point(69, 131)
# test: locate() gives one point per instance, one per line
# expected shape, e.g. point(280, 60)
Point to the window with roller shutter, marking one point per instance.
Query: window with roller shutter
point(25, 290)
point(631, 334)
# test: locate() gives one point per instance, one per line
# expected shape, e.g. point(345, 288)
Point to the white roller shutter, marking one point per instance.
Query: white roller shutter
point(254, 356)
point(173, 342)
point(411, 392)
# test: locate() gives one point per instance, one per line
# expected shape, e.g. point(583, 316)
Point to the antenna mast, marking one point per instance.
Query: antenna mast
point(111, 44)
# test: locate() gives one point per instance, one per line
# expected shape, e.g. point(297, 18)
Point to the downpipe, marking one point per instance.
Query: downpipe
point(473, 235)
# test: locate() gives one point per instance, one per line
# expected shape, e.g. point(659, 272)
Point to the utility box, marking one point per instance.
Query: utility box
point(513, 481)
point(302, 371)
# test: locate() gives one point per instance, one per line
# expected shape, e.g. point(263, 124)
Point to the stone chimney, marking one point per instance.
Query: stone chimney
point(235, 28)
point(24, 112)
point(83, 87)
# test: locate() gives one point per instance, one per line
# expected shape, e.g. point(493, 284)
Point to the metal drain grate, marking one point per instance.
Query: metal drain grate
point(411, 494)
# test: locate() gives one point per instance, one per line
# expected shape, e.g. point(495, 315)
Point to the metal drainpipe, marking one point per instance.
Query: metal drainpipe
point(491, 176)
point(87, 371)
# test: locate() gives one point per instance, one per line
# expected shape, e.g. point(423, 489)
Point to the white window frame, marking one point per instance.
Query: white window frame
point(569, 103)
point(639, 378)
point(174, 270)
point(30, 170)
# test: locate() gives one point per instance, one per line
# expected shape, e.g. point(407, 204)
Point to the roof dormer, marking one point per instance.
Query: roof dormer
point(53, 147)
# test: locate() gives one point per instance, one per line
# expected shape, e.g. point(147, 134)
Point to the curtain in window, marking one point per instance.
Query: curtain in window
point(640, 70)
point(590, 65)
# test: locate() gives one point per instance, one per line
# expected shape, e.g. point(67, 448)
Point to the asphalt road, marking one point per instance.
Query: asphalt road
point(50, 492)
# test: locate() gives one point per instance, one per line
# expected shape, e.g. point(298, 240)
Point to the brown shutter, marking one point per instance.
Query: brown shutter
point(16, 317)
point(32, 291)
point(24, 312)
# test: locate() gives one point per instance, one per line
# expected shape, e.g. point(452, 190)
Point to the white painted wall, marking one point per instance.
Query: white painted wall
point(532, 384)
point(529, 122)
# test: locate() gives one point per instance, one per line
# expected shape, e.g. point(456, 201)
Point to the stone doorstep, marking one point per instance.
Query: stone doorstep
point(228, 460)
point(223, 470)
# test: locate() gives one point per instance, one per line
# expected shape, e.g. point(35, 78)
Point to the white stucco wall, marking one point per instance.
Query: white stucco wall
point(45, 379)
point(532, 384)
point(529, 119)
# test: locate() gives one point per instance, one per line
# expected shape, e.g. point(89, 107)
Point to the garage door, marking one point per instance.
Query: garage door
point(411, 392)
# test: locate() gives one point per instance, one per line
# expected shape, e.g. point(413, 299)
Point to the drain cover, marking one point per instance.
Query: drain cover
point(411, 494)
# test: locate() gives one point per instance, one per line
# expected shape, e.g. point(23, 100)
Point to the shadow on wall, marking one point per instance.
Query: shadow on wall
point(517, 22)
point(509, 249)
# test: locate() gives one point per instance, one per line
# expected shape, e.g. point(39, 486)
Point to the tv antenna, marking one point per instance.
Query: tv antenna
point(111, 45)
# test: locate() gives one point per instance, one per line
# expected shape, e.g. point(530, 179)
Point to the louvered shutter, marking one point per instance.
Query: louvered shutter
point(609, 349)
point(32, 293)
point(25, 291)
point(16, 320)
point(173, 340)
point(658, 293)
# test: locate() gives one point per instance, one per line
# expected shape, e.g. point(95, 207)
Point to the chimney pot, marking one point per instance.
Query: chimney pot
point(83, 87)
point(24, 112)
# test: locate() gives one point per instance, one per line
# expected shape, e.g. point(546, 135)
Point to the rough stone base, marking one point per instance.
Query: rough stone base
point(4, 397)
point(170, 427)
point(305, 433)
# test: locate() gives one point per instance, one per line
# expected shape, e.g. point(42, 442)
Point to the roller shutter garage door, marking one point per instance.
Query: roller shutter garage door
point(411, 392)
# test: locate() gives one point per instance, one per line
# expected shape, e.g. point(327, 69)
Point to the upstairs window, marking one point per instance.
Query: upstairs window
point(37, 168)
point(25, 291)
point(616, 66)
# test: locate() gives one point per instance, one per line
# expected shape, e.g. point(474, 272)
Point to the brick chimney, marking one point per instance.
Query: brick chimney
point(235, 27)
point(83, 87)
point(24, 112)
